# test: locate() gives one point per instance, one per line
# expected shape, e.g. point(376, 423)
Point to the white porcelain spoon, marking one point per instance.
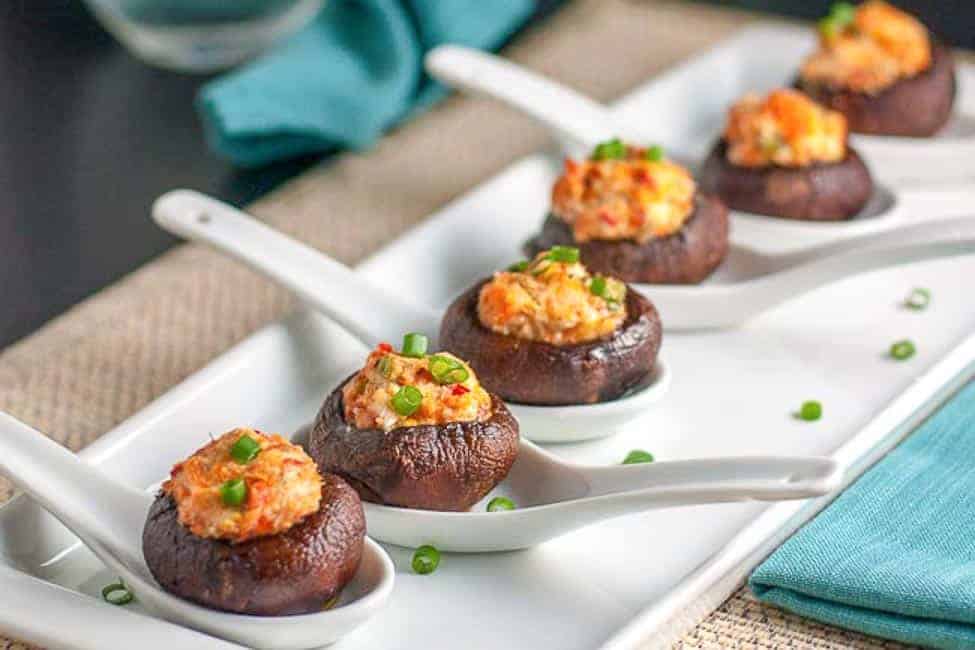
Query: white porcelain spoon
point(580, 123)
point(370, 312)
point(109, 516)
point(554, 497)
point(749, 282)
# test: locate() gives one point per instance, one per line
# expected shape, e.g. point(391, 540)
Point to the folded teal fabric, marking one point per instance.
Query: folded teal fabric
point(894, 555)
point(348, 76)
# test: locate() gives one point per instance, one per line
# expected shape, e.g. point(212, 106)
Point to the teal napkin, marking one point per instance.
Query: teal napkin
point(894, 555)
point(351, 74)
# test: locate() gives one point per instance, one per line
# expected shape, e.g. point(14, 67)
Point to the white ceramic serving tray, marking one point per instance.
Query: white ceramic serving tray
point(733, 393)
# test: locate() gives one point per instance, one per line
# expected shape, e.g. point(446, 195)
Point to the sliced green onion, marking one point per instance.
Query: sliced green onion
point(902, 350)
point(519, 267)
point(841, 15)
point(245, 449)
point(117, 594)
point(615, 291)
point(564, 254)
point(638, 456)
point(918, 299)
point(331, 602)
point(598, 285)
point(426, 559)
point(827, 27)
point(385, 366)
point(447, 370)
point(844, 13)
point(654, 153)
point(498, 504)
point(611, 149)
point(407, 400)
point(234, 492)
point(414, 345)
point(810, 411)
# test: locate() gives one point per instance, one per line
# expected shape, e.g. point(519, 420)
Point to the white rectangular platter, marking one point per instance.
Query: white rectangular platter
point(733, 393)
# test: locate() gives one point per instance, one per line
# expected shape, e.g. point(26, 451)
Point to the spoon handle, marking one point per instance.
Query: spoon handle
point(369, 312)
point(728, 305)
point(91, 504)
point(571, 115)
point(906, 236)
point(716, 480)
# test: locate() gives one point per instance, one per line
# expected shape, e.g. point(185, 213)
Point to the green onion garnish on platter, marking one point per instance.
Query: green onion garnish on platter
point(638, 456)
point(426, 559)
point(810, 411)
point(902, 350)
point(117, 594)
point(918, 299)
point(497, 504)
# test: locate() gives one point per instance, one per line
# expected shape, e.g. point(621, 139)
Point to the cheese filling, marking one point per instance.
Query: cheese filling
point(869, 50)
point(554, 302)
point(784, 128)
point(393, 390)
point(638, 195)
point(280, 485)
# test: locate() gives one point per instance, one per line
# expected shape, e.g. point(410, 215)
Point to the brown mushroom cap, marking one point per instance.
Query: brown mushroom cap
point(533, 372)
point(294, 572)
point(687, 256)
point(917, 106)
point(450, 466)
point(818, 192)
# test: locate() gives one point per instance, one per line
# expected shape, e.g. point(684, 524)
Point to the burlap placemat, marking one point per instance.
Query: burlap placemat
point(94, 366)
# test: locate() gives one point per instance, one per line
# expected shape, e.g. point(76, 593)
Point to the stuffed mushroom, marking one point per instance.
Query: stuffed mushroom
point(248, 525)
point(880, 67)
point(415, 430)
point(783, 155)
point(635, 215)
point(549, 332)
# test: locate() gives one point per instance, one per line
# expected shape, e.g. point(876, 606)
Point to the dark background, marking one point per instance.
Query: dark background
point(89, 136)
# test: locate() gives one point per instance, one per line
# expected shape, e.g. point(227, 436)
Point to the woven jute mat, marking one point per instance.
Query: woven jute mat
point(108, 357)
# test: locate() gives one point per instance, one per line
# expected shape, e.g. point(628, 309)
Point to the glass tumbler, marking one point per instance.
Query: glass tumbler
point(201, 35)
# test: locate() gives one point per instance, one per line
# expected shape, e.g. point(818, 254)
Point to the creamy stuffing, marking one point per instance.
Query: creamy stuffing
point(784, 128)
point(554, 302)
point(638, 195)
point(876, 46)
point(448, 391)
point(282, 482)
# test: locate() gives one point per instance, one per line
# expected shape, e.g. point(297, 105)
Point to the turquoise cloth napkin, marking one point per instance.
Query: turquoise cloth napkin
point(893, 556)
point(340, 82)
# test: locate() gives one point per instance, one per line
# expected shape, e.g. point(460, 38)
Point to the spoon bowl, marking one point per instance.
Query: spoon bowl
point(554, 497)
point(108, 517)
point(370, 312)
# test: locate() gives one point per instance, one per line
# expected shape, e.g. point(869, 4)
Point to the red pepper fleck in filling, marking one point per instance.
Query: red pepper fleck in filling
point(607, 218)
point(460, 389)
point(385, 347)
